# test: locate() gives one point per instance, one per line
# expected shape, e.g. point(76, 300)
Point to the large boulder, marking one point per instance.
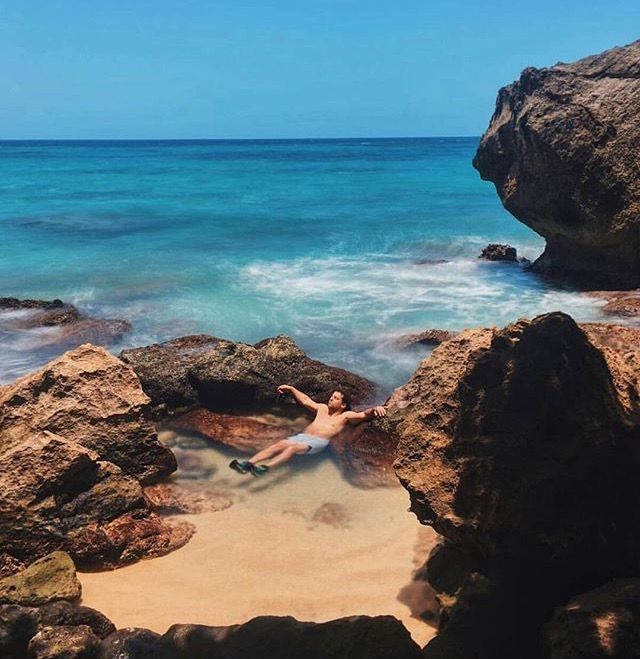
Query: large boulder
point(224, 376)
point(58, 495)
point(266, 637)
point(90, 397)
point(521, 447)
point(561, 149)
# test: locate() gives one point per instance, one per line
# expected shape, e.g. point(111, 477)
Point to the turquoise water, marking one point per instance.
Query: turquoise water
point(342, 244)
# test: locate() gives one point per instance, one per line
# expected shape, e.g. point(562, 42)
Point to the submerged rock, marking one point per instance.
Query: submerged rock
point(229, 377)
point(520, 447)
point(561, 149)
point(90, 397)
point(430, 337)
point(73, 328)
point(48, 579)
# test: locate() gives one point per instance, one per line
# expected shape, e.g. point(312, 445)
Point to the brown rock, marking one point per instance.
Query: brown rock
point(520, 447)
point(77, 642)
point(48, 579)
point(233, 377)
point(332, 514)
point(623, 306)
point(601, 624)
point(497, 252)
point(90, 397)
point(266, 637)
point(57, 495)
point(561, 150)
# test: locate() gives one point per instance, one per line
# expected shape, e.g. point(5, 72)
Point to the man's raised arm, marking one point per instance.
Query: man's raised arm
point(366, 415)
point(301, 398)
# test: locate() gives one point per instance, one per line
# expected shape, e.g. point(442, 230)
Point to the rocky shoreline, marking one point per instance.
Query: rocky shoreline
point(519, 446)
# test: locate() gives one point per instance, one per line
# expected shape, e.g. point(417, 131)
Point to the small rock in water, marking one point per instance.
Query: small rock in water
point(192, 465)
point(168, 437)
point(497, 252)
point(172, 499)
point(191, 442)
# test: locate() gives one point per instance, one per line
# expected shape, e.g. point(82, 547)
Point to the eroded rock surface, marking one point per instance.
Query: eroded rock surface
point(561, 149)
point(58, 495)
point(430, 337)
point(498, 252)
point(90, 397)
point(520, 447)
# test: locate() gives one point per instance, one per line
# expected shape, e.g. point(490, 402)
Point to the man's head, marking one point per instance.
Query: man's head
point(339, 401)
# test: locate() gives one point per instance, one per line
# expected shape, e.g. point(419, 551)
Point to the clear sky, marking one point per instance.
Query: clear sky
point(281, 68)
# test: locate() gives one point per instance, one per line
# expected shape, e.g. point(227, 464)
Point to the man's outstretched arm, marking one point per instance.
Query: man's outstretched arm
point(366, 415)
point(301, 398)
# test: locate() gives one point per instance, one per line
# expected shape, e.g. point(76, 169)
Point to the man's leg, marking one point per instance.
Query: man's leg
point(287, 454)
point(271, 450)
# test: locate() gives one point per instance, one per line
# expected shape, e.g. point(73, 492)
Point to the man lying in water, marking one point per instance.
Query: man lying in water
point(329, 421)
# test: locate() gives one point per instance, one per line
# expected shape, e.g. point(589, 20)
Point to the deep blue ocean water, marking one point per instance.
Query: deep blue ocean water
point(342, 244)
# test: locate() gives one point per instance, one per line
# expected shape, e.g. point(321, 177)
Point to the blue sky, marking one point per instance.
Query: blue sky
point(305, 68)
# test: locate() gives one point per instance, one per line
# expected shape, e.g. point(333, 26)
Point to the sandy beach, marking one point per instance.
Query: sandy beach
point(300, 541)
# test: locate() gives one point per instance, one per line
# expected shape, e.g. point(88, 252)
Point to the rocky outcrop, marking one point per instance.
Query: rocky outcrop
point(561, 149)
point(521, 447)
point(58, 495)
point(619, 303)
point(497, 252)
point(224, 376)
point(90, 397)
point(601, 624)
point(48, 579)
point(72, 327)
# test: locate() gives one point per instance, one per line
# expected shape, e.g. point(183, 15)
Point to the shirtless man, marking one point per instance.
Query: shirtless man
point(330, 419)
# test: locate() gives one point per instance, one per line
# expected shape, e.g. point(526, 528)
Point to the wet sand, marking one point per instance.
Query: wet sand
point(300, 541)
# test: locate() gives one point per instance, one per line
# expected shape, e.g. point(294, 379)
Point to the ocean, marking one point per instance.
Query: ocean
point(343, 244)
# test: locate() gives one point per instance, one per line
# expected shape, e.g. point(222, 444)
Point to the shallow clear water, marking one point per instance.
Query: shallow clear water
point(337, 243)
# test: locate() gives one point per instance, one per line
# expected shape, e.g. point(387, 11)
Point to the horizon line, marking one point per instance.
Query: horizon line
point(233, 139)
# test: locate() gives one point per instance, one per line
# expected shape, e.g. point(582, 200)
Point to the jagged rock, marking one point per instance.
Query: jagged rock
point(77, 642)
point(230, 377)
point(497, 252)
point(48, 579)
point(58, 495)
point(601, 624)
point(430, 337)
point(73, 328)
point(135, 643)
point(561, 149)
point(521, 447)
point(90, 397)
point(266, 637)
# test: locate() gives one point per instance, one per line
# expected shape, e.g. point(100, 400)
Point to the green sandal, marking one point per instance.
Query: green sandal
point(259, 470)
point(241, 466)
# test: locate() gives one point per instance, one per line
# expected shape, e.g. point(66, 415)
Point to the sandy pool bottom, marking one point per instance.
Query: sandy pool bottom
point(300, 541)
